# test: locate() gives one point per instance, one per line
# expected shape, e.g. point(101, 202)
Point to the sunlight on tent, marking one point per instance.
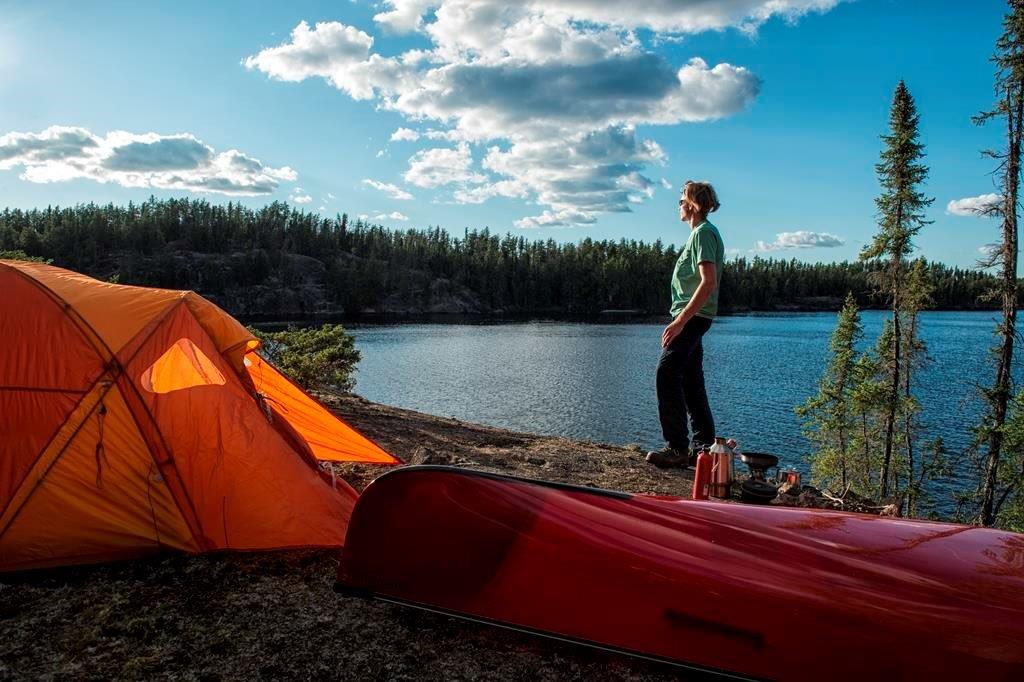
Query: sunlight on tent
point(182, 366)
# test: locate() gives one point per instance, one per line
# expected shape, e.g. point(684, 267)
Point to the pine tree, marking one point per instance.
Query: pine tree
point(827, 416)
point(1009, 109)
point(917, 297)
point(901, 207)
point(868, 398)
point(887, 412)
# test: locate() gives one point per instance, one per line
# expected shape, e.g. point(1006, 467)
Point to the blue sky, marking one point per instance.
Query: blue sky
point(552, 119)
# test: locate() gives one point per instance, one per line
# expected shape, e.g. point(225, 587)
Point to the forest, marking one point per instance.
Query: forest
point(229, 251)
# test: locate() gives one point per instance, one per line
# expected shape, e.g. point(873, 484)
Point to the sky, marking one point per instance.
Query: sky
point(560, 119)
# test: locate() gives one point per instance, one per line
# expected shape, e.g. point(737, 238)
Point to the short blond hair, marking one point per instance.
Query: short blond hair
point(701, 197)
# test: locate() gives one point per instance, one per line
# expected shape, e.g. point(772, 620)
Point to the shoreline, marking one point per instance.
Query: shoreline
point(384, 319)
point(421, 438)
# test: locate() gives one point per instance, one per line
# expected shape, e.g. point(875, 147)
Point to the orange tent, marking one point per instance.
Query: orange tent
point(136, 419)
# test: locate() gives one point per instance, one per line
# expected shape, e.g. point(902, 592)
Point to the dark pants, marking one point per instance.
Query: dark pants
point(681, 388)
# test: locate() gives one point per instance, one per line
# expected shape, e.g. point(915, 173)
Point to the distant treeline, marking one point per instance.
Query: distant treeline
point(364, 264)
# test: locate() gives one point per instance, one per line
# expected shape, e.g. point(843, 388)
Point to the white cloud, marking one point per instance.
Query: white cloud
point(448, 135)
point(394, 215)
point(328, 48)
point(663, 16)
point(577, 178)
point(666, 184)
point(330, 196)
point(152, 152)
point(404, 134)
point(56, 143)
point(404, 15)
point(973, 206)
point(442, 166)
point(179, 162)
point(801, 239)
point(560, 218)
point(393, 191)
point(512, 100)
point(481, 193)
point(693, 16)
point(532, 81)
point(334, 51)
point(299, 196)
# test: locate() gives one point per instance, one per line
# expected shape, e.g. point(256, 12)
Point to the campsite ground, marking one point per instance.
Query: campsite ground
point(275, 615)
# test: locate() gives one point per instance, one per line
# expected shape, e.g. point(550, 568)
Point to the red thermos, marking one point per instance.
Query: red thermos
point(702, 476)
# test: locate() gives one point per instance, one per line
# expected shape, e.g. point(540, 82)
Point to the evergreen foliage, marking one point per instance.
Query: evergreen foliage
point(1009, 505)
point(846, 421)
point(18, 254)
point(828, 417)
point(868, 395)
point(999, 483)
point(901, 209)
point(864, 420)
point(931, 463)
point(318, 358)
point(363, 264)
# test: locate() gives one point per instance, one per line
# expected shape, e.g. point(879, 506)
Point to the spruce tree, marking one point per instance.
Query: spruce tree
point(868, 398)
point(917, 297)
point(1008, 110)
point(828, 416)
point(901, 209)
point(885, 410)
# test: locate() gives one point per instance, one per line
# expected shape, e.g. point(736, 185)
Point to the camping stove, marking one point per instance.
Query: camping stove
point(759, 463)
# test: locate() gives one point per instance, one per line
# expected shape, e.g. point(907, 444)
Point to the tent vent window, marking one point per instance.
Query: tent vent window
point(182, 366)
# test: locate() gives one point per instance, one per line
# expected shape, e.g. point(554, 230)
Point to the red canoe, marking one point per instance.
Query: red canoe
point(762, 592)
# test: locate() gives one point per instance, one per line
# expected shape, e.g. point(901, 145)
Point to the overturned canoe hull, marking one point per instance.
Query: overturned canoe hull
point(761, 592)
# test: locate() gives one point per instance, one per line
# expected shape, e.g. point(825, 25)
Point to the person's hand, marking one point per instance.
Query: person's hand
point(672, 331)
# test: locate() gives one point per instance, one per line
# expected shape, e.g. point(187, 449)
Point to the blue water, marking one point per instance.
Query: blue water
point(596, 381)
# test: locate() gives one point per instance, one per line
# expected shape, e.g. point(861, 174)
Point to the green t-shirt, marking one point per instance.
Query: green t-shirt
point(704, 245)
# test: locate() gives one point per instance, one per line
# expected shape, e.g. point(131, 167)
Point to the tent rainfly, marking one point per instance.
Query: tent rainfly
point(134, 420)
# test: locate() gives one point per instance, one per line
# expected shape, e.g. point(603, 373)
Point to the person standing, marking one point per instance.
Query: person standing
point(680, 376)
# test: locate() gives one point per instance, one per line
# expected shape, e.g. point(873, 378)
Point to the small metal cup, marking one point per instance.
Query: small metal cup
point(789, 477)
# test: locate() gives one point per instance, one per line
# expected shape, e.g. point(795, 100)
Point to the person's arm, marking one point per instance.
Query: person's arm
point(700, 297)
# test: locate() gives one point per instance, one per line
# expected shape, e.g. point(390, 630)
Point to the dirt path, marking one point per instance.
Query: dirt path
point(275, 615)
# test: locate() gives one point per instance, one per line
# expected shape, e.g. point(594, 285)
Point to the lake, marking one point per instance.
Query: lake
point(596, 381)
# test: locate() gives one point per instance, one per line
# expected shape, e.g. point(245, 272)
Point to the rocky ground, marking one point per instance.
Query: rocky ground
point(275, 615)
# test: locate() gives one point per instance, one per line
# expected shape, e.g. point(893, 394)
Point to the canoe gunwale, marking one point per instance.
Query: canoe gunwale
point(494, 476)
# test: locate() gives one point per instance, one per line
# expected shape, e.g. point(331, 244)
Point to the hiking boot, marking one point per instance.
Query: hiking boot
point(669, 457)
